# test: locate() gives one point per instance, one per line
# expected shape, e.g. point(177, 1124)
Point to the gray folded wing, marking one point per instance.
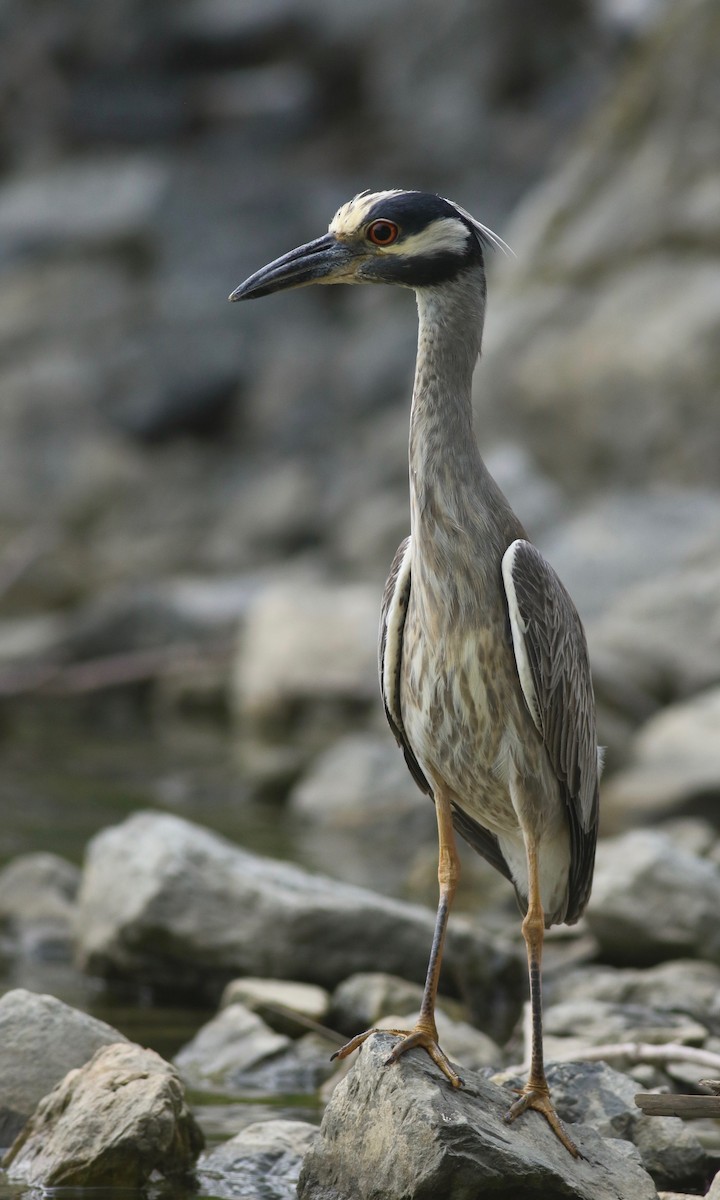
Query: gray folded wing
point(554, 671)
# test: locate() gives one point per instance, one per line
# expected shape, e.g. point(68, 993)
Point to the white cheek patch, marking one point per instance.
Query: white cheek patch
point(444, 236)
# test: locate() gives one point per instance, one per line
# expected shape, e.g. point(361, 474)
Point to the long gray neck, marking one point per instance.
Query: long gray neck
point(444, 456)
point(460, 521)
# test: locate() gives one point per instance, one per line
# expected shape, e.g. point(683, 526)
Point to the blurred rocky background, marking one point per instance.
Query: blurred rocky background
point(199, 502)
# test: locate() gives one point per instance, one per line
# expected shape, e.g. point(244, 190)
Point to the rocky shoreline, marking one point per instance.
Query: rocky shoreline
point(163, 903)
point(197, 511)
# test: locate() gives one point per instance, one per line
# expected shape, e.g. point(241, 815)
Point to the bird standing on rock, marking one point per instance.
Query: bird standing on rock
point(483, 661)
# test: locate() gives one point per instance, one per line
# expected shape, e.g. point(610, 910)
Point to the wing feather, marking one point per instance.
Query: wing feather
point(554, 671)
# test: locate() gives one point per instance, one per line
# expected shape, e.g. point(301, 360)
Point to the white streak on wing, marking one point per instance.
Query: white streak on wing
point(518, 628)
point(393, 640)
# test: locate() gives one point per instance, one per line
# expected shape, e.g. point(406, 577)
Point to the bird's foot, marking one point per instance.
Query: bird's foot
point(419, 1037)
point(538, 1098)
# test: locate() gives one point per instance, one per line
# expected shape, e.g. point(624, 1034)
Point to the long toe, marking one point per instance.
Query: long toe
point(410, 1039)
point(353, 1044)
point(424, 1040)
point(539, 1100)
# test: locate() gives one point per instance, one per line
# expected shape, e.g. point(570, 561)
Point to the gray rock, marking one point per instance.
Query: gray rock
point(619, 540)
point(285, 1005)
point(468, 1048)
point(674, 764)
point(362, 1000)
point(41, 1039)
point(601, 342)
point(379, 1117)
point(572, 1026)
point(229, 1047)
point(593, 1094)
point(37, 903)
point(358, 804)
point(658, 642)
point(304, 644)
point(236, 1050)
point(360, 780)
point(90, 202)
point(261, 1162)
point(684, 986)
point(164, 900)
point(116, 1121)
point(653, 901)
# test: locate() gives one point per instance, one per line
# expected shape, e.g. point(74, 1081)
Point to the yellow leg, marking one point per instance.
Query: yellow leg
point(424, 1034)
point(536, 1093)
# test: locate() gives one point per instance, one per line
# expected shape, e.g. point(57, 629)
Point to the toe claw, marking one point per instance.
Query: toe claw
point(539, 1100)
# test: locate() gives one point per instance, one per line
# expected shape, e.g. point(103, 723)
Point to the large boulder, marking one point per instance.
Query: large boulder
point(165, 901)
point(597, 1095)
point(653, 900)
point(114, 1122)
point(41, 1039)
point(602, 347)
point(674, 765)
point(403, 1131)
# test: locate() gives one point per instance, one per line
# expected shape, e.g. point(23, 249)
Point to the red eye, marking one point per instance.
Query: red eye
point(383, 233)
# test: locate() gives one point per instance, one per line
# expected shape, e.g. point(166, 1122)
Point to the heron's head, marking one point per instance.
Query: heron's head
point(414, 239)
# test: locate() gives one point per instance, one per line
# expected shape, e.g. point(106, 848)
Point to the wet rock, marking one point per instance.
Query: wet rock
point(165, 901)
point(228, 1048)
point(116, 1121)
point(378, 1117)
point(237, 1050)
point(264, 1160)
point(653, 901)
point(37, 903)
point(594, 1094)
point(674, 765)
point(41, 1039)
point(284, 1005)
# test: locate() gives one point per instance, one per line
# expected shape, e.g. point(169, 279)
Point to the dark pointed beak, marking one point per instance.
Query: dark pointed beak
point(323, 261)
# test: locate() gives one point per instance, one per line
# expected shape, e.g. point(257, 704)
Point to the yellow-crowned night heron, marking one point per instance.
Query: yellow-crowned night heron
point(483, 661)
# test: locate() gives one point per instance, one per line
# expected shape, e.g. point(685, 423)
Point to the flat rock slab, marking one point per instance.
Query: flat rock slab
point(41, 1039)
point(113, 1122)
point(402, 1133)
point(166, 901)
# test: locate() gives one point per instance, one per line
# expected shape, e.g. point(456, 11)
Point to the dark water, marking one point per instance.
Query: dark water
point(60, 783)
